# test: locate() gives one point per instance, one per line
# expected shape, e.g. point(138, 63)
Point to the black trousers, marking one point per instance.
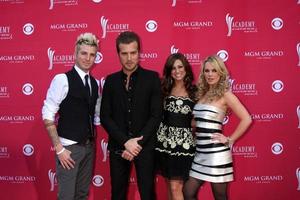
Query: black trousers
point(120, 172)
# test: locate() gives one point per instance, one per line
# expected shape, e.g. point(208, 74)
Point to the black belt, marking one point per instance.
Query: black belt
point(88, 141)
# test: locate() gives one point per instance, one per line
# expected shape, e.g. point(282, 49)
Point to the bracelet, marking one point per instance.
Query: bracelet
point(63, 149)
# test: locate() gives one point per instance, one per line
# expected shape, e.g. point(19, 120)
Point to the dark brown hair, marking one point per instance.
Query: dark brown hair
point(168, 82)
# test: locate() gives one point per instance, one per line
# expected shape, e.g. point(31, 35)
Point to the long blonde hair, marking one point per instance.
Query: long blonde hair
point(223, 84)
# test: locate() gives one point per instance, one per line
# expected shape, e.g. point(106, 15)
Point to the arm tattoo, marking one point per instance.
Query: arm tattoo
point(52, 132)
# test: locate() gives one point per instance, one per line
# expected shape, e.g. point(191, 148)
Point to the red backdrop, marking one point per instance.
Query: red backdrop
point(259, 41)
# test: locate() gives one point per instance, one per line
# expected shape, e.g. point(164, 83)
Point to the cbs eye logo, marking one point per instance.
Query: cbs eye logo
point(28, 150)
point(225, 120)
point(151, 26)
point(277, 148)
point(277, 23)
point(99, 58)
point(223, 54)
point(28, 29)
point(98, 180)
point(277, 86)
point(27, 89)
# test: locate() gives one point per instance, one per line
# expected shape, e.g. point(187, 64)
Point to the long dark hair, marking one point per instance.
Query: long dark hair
point(168, 82)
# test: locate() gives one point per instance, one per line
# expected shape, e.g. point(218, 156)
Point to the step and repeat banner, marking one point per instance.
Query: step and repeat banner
point(258, 40)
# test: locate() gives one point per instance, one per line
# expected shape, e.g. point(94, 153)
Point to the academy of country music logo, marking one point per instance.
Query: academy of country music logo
point(264, 179)
point(132, 180)
point(62, 59)
point(101, 84)
point(4, 153)
point(17, 59)
point(52, 179)
point(5, 33)
point(174, 2)
point(69, 27)
point(267, 117)
point(112, 27)
point(244, 151)
point(298, 178)
point(192, 57)
point(298, 115)
point(298, 53)
point(244, 88)
point(66, 59)
point(4, 93)
point(246, 26)
point(62, 2)
point(193, 25)
point(16, 119)
point(104, 150)
point(264, 54)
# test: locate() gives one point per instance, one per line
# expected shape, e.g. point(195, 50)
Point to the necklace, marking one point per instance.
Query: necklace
point(210, 96)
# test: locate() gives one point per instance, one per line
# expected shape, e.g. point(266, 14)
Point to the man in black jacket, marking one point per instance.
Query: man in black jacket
point(131, 113)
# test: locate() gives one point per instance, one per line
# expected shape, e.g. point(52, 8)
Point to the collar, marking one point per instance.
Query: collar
point(134, 74)
point(80, 72)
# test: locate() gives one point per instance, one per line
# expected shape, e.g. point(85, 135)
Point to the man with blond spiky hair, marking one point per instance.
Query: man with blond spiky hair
point(74, 96)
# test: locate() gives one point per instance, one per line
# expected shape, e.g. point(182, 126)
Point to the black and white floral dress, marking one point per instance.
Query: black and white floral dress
point(175, 145)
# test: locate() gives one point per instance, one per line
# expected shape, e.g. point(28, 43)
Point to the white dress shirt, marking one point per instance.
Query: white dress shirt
point(57, 92)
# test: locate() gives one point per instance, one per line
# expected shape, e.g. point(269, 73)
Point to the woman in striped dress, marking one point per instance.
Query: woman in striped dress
point(213, 160)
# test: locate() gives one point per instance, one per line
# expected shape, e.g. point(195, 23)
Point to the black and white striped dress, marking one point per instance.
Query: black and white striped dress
point(212, 161)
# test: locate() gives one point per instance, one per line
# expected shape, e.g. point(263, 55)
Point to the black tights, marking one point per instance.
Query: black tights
point(192, 185)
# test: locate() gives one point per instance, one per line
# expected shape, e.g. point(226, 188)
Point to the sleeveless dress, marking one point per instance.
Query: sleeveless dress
point(212, 161)
point(175, 144)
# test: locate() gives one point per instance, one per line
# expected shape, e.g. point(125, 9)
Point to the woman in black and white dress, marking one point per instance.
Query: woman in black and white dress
point(175, 142)
point(213, 159)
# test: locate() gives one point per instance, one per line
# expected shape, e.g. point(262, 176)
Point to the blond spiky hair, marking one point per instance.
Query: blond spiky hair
point(87, 39)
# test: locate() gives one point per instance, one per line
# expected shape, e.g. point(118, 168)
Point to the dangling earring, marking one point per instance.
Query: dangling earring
point(187, 78)
point(171, 81)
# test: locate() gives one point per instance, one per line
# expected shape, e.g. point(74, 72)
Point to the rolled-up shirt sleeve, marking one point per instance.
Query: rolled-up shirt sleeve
point(56, 93)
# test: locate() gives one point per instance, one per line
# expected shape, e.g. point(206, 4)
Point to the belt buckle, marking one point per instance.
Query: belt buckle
point(89, 141)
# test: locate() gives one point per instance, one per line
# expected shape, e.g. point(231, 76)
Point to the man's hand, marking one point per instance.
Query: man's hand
point(128, 156)
point(132, 146)
point(63, 154)
point(65, 158)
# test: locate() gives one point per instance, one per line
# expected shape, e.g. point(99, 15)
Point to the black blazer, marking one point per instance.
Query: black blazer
point(146, 109)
